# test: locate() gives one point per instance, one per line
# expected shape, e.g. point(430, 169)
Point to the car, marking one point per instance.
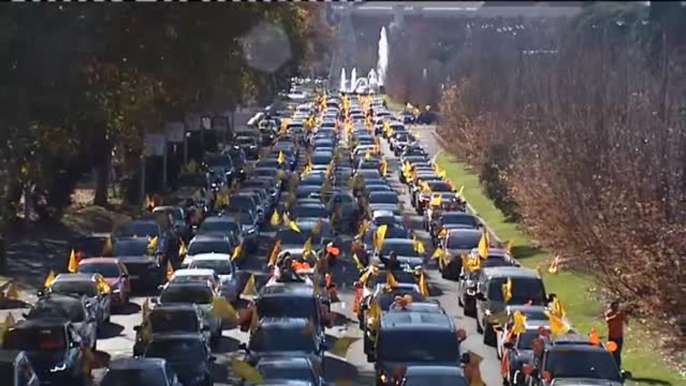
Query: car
point(239, 159)
point(285, 337)
point(293, 300)
point(408, 338)
point(286, 369)
point(519, 351)
point(224, 268)
point(16, 369)
point(531, 313)
point(570, 360)
point(92, 286)
point(188, 354)
point(182, 276)
point(200, 294)
point(53, 347)
point(309, 211)
point(527, 288)
point(294, 242)
point(421, 199)
point(434, 375)
point(73, 308)
point(467, 285)
point(139, 372)
point(226, 225)
point(169, 318)
point(115, 274)
point(452, 220)
point(345, 205)
point(157, 226)
point(249, 222)
point(220, 169)
point(145, 271)
point(241, 202)
point(210, 243)
point(383, 200)
point(178, 216)
point(457, 242)
point(249, 145)
point(405, 249)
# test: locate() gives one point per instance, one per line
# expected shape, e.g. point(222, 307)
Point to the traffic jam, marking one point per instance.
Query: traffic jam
point(312, 200)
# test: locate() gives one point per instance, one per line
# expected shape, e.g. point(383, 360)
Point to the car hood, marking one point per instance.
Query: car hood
point(388, 367)
point(282, 354)
point(388, 207)
point(585, 382)
point(43, 361)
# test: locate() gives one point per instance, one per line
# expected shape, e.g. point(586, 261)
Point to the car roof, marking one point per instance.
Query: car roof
point(99, 260)
point(178, 336)
point(194, 272)
point(284, 322)
point(397, 241)
point(174, 307)
point(136, 363)
point(504, 272)
point(90, 277)
point(40, 323)
point(283, 361)
point(287, 289)
point(209, 237)
point(434, 370)
point(210, 256)
point(417, 321)
point(465, 231)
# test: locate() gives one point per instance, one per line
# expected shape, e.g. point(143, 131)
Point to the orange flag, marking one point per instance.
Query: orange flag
point(170, 271)
point(73, 264)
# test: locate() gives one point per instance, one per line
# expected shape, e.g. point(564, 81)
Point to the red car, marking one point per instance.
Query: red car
point(115, 274)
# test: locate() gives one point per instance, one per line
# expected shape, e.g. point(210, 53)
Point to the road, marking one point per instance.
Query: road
point(118, 338)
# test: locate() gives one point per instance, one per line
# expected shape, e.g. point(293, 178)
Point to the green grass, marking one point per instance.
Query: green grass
point(573, 289)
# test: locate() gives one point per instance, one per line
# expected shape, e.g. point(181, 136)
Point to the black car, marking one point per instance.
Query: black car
point(188, 354)
point(285, 369)
point(54, 348)
point(434, 375)
point(140, 372)
point(249, 145)
point(170, 318)
point(72, 308)
point(240, 161)
point(158, 226)
point(145, 271)
point(16, 369)
point(414, 339)
point(223, 161)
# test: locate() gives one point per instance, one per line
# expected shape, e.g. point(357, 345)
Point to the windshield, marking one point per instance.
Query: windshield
point(309, 212)
point(134, 377)
point(523, 290)
point(220, 267)
point(289, 307)
point(130, 248)
point(463, 240)
point(108, 270)
point(383, 198)
point(435, 380)
point(217, 226)
point(87, 288)
point(219, 160)
point(282, 339)
point(186, 294)
point(245, 141)
point(35, 339)
point(170, 321)
point(418, 346)
point(290, 237)
point(218, 246)
point(177, 350)
point(321, 159)
point(448, 218)
point(139, 229)
point(401, 249)
point(47, 309)
point(439, 187)
point(569, 363)
point(386, 299)
point(526, 340)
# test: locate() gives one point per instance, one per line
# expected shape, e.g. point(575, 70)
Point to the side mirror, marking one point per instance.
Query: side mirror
point(243, 347)
point(465, 358)
point(137, 328)
point(323, 346)
point(124, 275)
point(212, 358)
point(551, 297)
point(626, 375)
point(508, 345)
point(155, 301)
point(24, 315)
point(160, 287)
point(480, 296)
point(205, 328)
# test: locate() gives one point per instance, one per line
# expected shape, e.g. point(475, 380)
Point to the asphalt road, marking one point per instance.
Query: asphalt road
point(118, 338)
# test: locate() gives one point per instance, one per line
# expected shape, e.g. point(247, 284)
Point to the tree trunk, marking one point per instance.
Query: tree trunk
point(102, 176)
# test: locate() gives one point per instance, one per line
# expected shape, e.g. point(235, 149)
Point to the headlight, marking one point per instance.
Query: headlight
point(251, 231)
point(58, 368)
point(383, 378)
point(488, 312)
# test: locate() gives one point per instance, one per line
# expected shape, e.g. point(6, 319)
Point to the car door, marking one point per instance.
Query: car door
point(75, 344)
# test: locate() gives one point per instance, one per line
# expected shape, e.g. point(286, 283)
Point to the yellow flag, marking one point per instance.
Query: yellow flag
point(557, 326)
point(436, 200)
point(170, 271)
point(380, 235)
point(418, 245)
point(237, 252)
point(438, 253)
point(275, 254)
point(107, 248)
point(73, 264)
point(554, 267)
point(443, 233)
point(294, 226)
point(282, 158)
point(307, 248)
point(391, 282)
point(12, 292)
point(244, 371)
point(461, 191)
point(508, 247)
point(558, 309)
point(423, 285)
point(276, 218)
point(191, 167)
point(183, 249)
point(358, 263)
point(443, 174)
point(363, 227)
point(10, 321)
point(223, 310)
point(384, 167)
point(483, 245)
point(519, 326)
point(145, 308)
point(152, 245)
point(50, 279)
point(249, 289)
point(507, 290)
point(342, 345)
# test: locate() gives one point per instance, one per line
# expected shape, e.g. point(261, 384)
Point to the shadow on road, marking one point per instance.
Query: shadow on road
point(110, 330)
point(128, 309)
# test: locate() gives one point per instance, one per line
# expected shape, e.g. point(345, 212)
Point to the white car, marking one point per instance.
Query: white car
point(223, 267)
